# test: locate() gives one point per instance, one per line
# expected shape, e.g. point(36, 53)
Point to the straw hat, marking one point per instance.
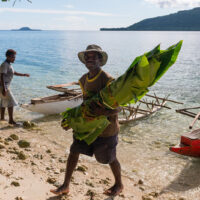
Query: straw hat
point(96, 48)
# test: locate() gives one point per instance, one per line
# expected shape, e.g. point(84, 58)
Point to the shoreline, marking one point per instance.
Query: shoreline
point(44, 167)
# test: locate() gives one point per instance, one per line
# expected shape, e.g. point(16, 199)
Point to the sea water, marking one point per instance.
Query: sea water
point(50, 57)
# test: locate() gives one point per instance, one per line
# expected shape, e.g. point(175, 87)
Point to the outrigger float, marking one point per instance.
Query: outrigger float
point(144, 108)
point(190, 142)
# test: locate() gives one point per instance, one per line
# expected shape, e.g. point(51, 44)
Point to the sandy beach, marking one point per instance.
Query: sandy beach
point(29, 172)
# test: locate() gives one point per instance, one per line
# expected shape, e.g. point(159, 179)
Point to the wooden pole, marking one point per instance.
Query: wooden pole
point(154, 104)
point(139, 109)
point(148, 95)
point(185, 112)
point(63, 85)
point(195, 119)
point(189, 108)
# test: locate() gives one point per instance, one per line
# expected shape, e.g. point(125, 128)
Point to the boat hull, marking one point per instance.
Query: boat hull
point(189, 145)
point(193, 151)
point(52, 107)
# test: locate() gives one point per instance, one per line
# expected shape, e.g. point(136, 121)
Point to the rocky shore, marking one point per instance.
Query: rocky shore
point(33, 158)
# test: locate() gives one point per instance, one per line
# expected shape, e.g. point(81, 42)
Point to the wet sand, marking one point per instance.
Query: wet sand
point(29, 173)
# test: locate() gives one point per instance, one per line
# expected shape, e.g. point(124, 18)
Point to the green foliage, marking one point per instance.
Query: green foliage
point(145, 71)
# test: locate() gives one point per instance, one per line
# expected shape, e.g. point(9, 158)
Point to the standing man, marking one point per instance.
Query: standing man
point(104, 147)
point(6, 76)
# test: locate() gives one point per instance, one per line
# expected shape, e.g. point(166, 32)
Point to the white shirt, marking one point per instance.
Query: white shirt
point(8, 71)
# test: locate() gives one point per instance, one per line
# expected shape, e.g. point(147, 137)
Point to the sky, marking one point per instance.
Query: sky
point(85, 14)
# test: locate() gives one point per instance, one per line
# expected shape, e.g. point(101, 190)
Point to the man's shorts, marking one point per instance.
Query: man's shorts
point(104, 148)
point(8, 100)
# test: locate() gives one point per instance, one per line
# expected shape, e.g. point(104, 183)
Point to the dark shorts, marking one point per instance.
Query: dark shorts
point(104, 148)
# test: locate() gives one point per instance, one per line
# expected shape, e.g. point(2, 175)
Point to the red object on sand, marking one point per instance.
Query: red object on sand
point(189, 145)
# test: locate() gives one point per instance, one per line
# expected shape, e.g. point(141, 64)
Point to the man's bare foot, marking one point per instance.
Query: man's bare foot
point(61, 190)
point(114, 190)
point(13, 123)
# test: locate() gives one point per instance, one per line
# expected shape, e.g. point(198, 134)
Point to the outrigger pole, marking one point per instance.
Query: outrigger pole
point(148, 95)
point(185, 111)
point(195, 119)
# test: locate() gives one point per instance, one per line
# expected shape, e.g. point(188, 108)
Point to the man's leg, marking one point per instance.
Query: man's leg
point(118, 186)
point(10, 114)
point(3, 113)
point(105, 152)
point(71, 165)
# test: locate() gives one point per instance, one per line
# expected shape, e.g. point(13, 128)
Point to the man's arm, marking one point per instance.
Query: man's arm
point(19, 74)
point(100, 110)
point(4, 91)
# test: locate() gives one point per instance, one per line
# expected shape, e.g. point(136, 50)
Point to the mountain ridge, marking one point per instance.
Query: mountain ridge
point(185, 20)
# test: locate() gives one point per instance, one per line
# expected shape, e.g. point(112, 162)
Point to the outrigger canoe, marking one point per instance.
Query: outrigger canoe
point(73, 97)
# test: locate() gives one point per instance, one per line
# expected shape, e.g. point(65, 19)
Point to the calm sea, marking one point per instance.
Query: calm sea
point(51, 58)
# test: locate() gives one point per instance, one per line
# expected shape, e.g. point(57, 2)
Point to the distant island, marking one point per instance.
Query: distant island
point(25, 29)
point(186, 20)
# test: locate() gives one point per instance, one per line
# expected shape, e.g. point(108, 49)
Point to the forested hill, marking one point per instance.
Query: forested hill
point(186, 20)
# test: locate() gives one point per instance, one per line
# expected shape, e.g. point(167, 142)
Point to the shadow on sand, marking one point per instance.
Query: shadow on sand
point(47, 118)
point(60, 197)
point(7, 126)
point(187, 179)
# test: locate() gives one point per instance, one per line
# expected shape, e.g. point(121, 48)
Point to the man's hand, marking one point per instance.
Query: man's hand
point(4, 92)
point(20, 74)
point(96, 110)
point(27, 75)
point(66, 128)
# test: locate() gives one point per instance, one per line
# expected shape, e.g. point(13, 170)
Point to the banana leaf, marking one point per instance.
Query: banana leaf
point(130, 87)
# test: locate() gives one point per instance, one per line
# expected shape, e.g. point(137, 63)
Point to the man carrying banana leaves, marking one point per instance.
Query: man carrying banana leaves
point(94, 122)
point(104, 147)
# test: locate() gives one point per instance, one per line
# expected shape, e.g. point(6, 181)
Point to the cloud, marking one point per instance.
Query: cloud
point(71, 23)
point(71, 19)
point(69, 6)
point(18, 10)
point(175, 3)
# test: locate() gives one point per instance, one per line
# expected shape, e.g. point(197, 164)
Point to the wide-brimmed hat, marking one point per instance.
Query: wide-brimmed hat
point(95, 48)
